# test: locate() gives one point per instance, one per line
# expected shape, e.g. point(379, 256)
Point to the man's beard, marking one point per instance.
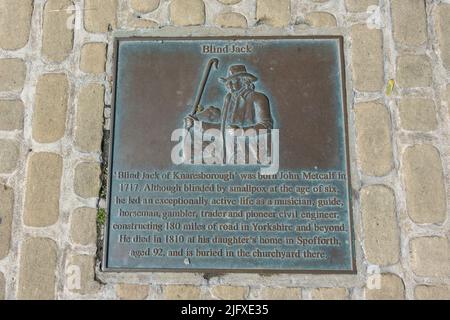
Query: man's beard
point(237, 91)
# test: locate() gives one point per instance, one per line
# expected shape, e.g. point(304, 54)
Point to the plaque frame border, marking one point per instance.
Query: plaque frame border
point(115, 60)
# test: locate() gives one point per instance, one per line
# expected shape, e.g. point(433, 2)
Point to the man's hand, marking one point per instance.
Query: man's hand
point(233, 130)
point(189, 122)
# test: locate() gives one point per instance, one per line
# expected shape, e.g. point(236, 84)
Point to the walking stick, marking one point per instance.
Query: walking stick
point(213, 62)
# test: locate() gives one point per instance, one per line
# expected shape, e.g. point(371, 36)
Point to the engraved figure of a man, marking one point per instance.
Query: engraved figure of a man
point(243, 107)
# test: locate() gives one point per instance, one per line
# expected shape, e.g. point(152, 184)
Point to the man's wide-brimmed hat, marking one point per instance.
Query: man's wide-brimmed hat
point(238, 70)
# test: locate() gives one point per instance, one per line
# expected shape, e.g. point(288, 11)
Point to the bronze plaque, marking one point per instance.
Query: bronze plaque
point(229, 154)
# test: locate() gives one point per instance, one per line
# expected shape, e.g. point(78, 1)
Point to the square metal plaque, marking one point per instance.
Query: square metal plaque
point(229, 154)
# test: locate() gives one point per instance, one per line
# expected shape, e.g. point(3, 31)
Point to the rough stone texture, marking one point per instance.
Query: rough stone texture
point(9, 155)
point(373, 137)
point(229, 1)
point(432, 293)
point(83, 226)
point(231, 20)
point(2, 286)
point(329, 294)
point(57, 38)
point(101, 17)
point(280, 294)
point(181, 292)
point(187, 12)
point(89, 118)
point(413, 71)
point(42, 190)
point(359, 5)
point(87, 179)
point(276, 13)
point(49, 116)
point(137, 23)
point(443, 30)
point(392, 288)
point(382, 238)
point(430, 256)
point(417, 114)
point(15, 23)
point(126, 291)
point(12, 74)
point(86, 265)
point(447, 97)
point(93, 58)
point(424, 184)
point(144, 6)
point(409, 22)
point(321, 20)
point(6, 214)
point(367, 55)
point(37, 275)
point(11, 115)
point(230, 292)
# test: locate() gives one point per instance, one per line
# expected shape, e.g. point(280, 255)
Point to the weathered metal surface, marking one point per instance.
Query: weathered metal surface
point(182, 198)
